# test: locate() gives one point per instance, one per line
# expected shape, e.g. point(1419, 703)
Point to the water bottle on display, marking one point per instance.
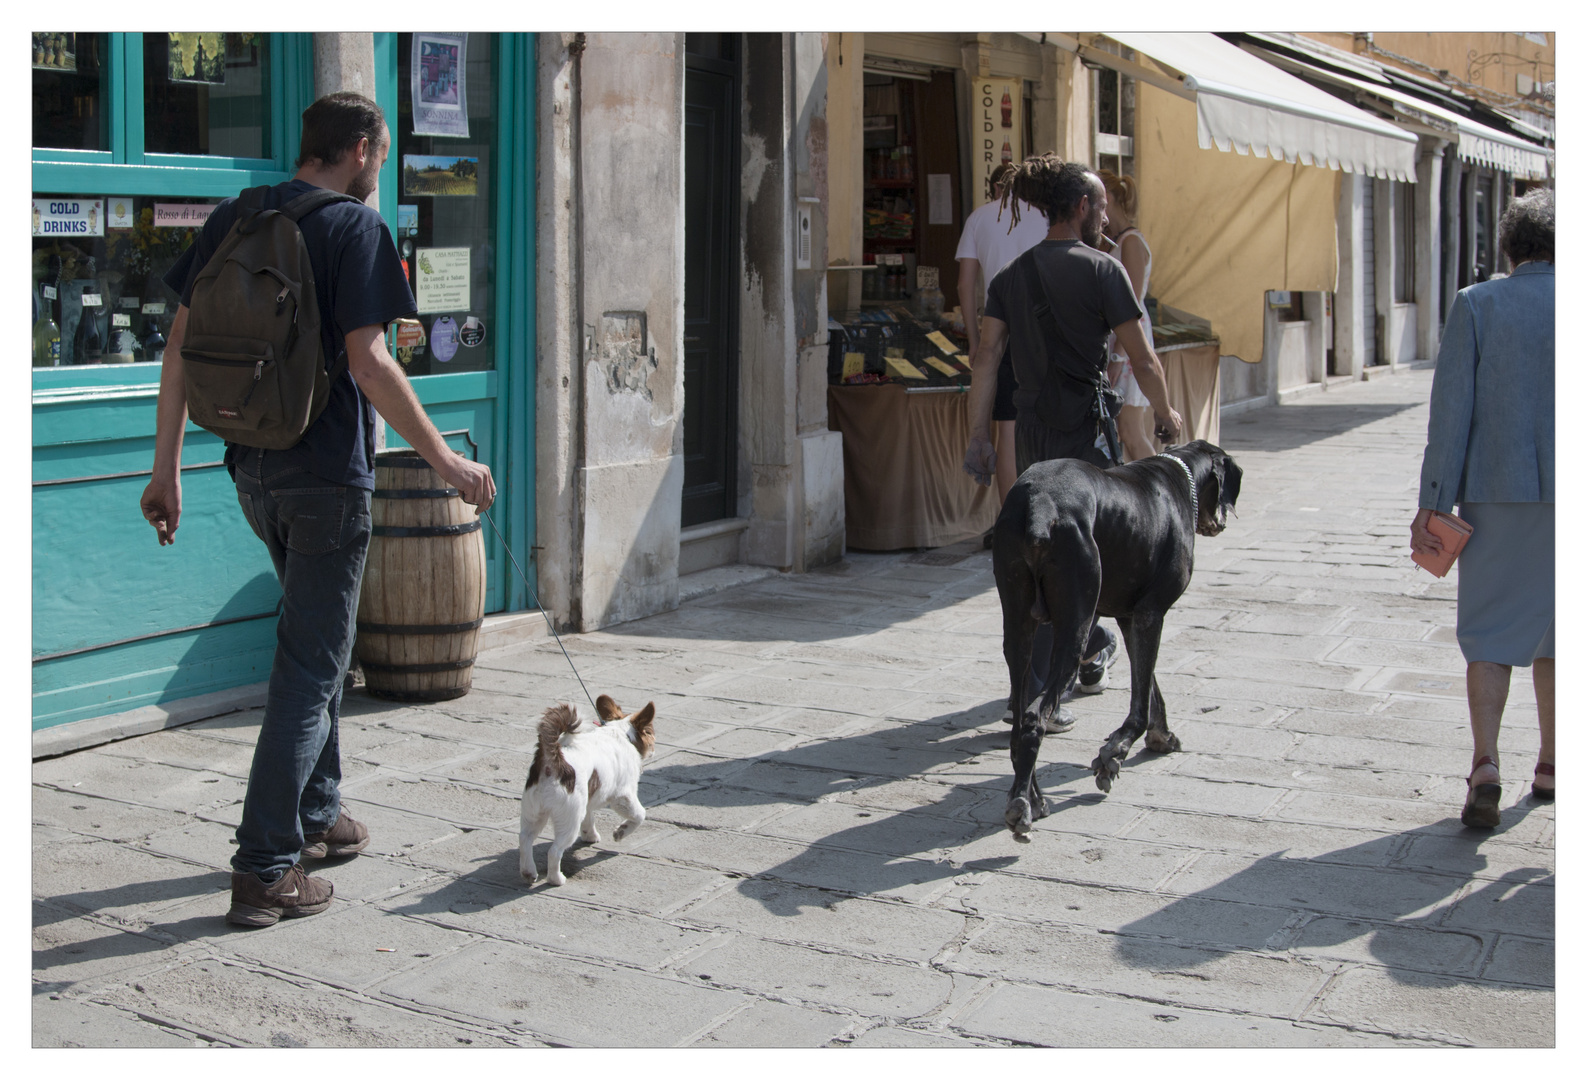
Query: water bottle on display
point(46, 332)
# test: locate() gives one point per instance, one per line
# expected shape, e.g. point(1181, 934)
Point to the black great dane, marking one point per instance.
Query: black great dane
point(1074, 541)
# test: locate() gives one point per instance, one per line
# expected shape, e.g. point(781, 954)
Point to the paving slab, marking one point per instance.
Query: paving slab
point(566, 1002)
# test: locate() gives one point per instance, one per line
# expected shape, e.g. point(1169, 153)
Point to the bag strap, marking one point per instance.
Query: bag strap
point(1036, 291)
point(305, 204)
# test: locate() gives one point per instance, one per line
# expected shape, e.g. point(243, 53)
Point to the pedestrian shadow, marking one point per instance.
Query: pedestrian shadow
point(887, 850)
point(1391, 895)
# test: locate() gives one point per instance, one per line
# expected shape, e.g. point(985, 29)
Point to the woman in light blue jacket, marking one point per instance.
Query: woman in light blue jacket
point(1490, 448)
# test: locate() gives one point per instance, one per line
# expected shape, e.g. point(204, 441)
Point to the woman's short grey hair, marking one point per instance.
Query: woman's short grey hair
point(1526, 231)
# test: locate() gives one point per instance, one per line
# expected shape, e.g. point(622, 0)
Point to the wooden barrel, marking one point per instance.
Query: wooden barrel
point(423, 596)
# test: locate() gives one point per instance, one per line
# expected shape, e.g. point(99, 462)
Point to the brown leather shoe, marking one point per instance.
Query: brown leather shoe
point(346, 837)
point(253, 903)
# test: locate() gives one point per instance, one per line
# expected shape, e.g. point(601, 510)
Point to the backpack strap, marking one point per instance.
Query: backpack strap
point(295, 211)
point(304, 205)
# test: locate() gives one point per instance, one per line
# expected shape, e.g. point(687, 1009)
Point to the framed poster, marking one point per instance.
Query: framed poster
point(196, 58)
point(440, 85)
point(439, 174)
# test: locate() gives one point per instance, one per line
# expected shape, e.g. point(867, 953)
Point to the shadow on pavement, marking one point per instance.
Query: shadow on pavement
point(1396, 907)
point(898, 849)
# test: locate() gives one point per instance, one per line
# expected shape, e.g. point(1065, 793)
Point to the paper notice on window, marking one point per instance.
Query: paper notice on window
point(940, 340)
point(946, 369)
point(903, 368)
point(440, 279)
point(939, 199)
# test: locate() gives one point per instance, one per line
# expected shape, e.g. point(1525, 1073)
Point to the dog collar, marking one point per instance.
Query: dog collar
point(1195, 516)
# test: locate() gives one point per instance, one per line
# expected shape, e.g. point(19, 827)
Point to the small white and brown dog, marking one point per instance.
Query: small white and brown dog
point(580, 767)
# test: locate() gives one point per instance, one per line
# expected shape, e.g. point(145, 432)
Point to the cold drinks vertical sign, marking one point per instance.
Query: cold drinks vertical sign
point(998, 129)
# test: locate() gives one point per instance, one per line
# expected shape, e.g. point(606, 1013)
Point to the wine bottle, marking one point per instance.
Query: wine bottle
point(153, 341)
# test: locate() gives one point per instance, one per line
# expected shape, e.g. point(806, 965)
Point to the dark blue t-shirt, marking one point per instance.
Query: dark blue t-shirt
point(359, 281)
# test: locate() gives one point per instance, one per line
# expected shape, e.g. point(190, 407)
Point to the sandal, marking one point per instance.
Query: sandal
point(1545, 794)
point(1482, 801)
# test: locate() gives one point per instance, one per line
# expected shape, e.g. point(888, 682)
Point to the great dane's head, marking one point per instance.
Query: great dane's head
point(1217, 484)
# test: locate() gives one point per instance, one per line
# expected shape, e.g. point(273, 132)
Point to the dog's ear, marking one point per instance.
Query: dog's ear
point(1228, 485)
point(645, 718)
point(607, 708)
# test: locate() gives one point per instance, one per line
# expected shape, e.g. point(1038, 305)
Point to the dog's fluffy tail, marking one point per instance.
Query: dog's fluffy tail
point(558, 722)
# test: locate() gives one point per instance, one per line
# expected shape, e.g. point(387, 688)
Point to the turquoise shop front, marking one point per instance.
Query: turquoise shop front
point(135, 137)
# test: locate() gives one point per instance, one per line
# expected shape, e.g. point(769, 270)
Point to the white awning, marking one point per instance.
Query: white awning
point(1475, 141)
point(1249, 106)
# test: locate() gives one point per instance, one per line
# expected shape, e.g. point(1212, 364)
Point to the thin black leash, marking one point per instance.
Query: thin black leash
point(486, 515)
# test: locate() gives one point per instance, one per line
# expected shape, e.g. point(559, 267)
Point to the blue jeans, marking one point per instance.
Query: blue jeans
point(318, 535)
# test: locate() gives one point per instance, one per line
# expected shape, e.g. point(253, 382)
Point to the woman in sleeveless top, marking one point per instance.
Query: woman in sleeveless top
point(1135, 421)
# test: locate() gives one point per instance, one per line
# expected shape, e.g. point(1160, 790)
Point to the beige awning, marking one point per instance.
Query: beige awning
point(1249, 106)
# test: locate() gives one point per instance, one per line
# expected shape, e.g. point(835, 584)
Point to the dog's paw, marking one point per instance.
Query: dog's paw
point(554, 877)
point(1106, 769)
point(1164, 743)
point(624, 829)
point(527, 873)
point(1018, 816)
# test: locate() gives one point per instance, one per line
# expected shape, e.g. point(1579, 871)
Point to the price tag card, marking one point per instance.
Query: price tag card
point(92, 299)
point(940, 340)
point(943, 367)
point(154, 307)
point(853, 364)
point(118, 319)
point(130, 302)
point(49, 292)
point(903, 368)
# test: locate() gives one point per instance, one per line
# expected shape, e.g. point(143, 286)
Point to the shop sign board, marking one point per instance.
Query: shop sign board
point(68, 217)
point(442, 280)
point(998, 128)
point(182, 215)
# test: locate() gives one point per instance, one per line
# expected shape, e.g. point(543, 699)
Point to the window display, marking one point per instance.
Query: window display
point(445, 215)
point(97, 264)
point(68, 91)
point(206, 93)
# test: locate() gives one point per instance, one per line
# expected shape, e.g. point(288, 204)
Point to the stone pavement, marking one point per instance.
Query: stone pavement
point(825, 861)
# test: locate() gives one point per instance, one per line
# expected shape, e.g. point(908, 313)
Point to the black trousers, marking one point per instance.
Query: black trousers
point(1033, 442)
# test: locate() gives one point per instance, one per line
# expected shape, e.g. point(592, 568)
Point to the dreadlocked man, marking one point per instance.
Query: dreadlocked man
point(1055, 305)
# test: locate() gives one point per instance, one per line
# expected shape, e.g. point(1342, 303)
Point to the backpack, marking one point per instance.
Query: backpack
point(252, 354)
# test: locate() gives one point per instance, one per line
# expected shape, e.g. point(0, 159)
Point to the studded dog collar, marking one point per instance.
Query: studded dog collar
point(1195, 513)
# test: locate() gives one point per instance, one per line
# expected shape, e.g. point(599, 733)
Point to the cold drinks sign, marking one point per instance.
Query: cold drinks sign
point(999, 129)
point(68, 217)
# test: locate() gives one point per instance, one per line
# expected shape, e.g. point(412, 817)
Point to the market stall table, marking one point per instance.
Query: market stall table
point(904, 484)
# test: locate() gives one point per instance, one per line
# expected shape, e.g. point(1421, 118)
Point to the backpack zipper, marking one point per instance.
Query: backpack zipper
point(258, 370)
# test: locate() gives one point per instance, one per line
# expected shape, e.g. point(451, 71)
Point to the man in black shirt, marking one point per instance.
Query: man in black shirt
point(310, 504)
point(1060, 353)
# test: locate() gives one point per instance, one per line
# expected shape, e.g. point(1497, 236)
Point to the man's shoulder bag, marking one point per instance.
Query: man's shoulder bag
point(1073, 400)
point(252, 355)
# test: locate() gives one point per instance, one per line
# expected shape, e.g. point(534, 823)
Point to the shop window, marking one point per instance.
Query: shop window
point(1404, 243)
point(445, 202)
point(206, 93)
point(1113, 100)
point(98, 297)
point(69, 88)
point(106, 223)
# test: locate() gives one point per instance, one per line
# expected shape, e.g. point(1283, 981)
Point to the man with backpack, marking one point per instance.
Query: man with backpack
point(291, 376)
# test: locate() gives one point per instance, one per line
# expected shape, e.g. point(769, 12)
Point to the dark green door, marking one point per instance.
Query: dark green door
point(710, 278)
